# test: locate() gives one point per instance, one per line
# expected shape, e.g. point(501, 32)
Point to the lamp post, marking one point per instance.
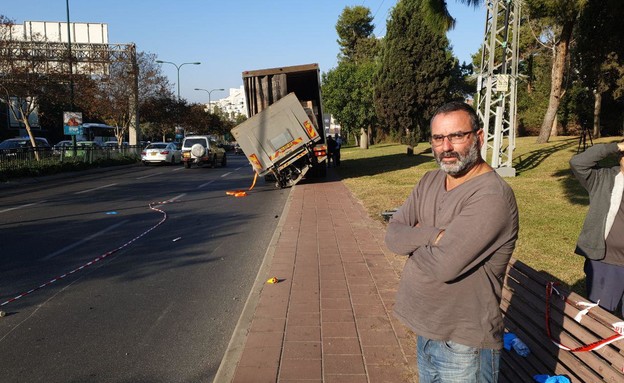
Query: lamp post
point(209, 92)
point(178, 68)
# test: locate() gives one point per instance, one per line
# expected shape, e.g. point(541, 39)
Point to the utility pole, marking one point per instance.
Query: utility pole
point(497, 84)
point(71, 73)
point(134, 134)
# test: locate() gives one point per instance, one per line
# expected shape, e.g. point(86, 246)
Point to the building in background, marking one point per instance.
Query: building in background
point(90, 35)
point(232, 105)
point(331, 125)
point(56, 32)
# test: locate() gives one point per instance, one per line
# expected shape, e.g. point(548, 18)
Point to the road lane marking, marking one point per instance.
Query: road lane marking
point(206, 184)
point(149, 175)
point(94, 189)
point(21, 206)
point(176, 197)
point(178, 169)
point(82, 241)
point(97, 259)
point(226, 174)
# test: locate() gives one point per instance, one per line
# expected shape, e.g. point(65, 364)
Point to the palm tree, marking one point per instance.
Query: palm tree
point(437, 14)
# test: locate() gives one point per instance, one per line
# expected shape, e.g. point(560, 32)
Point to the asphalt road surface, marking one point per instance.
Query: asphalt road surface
point(144, 294)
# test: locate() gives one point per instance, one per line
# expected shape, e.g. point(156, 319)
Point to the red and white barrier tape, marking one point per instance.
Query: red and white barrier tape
point(101, 257)
point(618, 327)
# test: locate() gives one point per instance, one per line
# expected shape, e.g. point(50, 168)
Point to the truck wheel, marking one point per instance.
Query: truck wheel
point(213, 163)
point(187, 165)
point(224, 161)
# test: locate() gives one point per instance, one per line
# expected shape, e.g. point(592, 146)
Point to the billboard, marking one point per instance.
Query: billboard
point(72, 123)
point(55, 31)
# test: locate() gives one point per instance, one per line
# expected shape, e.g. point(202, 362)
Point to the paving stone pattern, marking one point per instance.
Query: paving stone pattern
point(329, 319)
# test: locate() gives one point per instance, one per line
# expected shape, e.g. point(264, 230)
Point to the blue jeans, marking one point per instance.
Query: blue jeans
point(450, 362)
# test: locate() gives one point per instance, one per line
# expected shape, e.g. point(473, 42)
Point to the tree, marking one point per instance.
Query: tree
point(415, 72)
point(25, 79)
point(159, 116)
point(112, 101)
point(436, 14)
point(201, 121)
point(348, 95)
point(463, 83)
point(599, 53)
point(564, 15)
point(355, 34)
point(348, 88)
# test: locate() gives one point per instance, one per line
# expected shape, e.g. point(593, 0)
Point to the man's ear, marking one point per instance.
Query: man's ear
point(480, 136)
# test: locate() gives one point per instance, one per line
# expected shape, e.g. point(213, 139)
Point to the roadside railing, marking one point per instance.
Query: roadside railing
point(13, 159)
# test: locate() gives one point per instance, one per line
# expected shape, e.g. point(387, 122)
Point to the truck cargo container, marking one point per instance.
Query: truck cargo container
point(284, 140)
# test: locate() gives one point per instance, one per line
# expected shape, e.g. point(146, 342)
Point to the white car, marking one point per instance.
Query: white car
point(161, 152)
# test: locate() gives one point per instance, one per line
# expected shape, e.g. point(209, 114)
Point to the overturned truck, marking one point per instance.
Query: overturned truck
point(284, 138)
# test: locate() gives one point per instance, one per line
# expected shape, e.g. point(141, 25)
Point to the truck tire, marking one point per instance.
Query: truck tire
point(224, 161)
point(187, 164)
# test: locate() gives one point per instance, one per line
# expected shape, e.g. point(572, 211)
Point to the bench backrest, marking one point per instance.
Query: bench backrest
point(524, 309)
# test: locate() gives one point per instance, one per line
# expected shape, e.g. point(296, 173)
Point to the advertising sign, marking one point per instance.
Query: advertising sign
point(179, 133)
point(72, 123)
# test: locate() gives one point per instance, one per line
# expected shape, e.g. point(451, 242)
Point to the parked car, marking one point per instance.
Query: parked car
point(200, 150)
point(61, 147)
point(115, 144)
point(161, 152)
point(85, 148)
point(21, 148)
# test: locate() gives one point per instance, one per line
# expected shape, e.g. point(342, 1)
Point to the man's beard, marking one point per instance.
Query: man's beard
point(465, 160)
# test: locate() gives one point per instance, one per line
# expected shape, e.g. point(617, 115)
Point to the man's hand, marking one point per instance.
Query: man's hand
point(439, 237)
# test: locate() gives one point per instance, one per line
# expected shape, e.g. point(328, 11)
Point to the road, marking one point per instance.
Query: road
point(150, 294)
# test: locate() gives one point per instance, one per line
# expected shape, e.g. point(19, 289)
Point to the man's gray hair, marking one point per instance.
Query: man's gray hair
point(455, 106)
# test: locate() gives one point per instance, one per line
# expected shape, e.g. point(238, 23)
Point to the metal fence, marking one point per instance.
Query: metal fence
point(13, 159)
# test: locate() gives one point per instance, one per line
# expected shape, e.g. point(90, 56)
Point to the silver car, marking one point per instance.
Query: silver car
point(161, 152)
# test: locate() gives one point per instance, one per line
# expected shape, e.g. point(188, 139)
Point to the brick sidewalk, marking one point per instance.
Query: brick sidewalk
point(329, 319)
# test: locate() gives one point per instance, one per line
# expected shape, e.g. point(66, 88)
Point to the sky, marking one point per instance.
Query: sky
point(232, 36)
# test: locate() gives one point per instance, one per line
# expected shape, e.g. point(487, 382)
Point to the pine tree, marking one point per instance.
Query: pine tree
point(415, 73)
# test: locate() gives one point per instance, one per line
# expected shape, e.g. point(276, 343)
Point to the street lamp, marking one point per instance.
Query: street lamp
point(178, 68)
point(209, 92)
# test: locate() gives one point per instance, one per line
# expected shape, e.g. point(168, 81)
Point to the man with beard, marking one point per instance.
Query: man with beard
point(459, 228)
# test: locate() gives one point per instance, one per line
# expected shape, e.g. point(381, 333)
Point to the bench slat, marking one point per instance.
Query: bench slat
point(524, 306)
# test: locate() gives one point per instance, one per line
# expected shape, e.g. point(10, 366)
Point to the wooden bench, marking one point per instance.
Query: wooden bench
point(524, 309)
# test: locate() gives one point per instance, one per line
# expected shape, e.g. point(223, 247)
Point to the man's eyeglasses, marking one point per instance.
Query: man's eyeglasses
point(454, 138)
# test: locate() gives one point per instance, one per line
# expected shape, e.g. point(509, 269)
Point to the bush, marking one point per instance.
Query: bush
point(46, 168)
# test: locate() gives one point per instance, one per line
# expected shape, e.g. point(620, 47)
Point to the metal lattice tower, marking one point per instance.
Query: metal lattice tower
point(497, 84)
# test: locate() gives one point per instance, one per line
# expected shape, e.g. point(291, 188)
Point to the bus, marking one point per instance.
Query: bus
point(99, 133)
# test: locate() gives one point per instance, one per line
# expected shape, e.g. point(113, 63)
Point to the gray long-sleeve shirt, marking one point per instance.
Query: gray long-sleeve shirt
point(604, 186)
point(452, 290)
